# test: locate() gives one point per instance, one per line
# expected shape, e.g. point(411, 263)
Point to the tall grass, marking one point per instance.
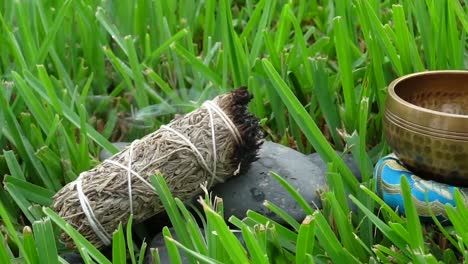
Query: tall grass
point(77, 75)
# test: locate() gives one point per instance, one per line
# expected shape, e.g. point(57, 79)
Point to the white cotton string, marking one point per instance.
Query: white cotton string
point(88, 211)
point(129, 175)
point(131, 171)
point(230, 125)
point(213, 143)
point(194, 148)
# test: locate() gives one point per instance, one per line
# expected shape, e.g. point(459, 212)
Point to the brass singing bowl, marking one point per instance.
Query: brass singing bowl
point(426, 124)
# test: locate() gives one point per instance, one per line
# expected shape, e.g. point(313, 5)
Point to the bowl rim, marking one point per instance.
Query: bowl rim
point(395, 96)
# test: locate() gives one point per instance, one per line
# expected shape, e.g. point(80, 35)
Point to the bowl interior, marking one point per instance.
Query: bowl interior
point(441, 92)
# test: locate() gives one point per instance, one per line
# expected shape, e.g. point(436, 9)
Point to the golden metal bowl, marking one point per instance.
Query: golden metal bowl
point(426, 124)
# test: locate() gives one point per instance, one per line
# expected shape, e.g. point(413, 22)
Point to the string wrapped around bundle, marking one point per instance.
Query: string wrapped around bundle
point(208, 145)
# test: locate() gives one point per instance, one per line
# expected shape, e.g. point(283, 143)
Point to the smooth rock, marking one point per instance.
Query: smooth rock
point(348, 160)
point(250, 190)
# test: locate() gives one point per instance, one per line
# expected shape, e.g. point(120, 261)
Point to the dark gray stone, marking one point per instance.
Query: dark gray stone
point(250, 190)
point(347, 158)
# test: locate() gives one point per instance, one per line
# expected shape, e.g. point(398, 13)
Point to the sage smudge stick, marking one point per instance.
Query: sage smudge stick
point(208, 145)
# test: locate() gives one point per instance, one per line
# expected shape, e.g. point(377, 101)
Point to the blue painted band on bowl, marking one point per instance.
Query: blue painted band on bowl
point(426, 194)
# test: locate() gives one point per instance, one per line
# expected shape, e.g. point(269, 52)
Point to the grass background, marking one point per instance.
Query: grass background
point(77, 75)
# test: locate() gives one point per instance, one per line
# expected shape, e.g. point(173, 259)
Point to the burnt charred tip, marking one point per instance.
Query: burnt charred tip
point(248, 126)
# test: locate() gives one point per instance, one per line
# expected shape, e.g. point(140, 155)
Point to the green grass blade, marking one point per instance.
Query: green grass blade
point(80, 241)
point(283, 30)
point(260, 18)
point(13, 165)
point(405, 42)
point(227, 238)
point(458, 219)
point(193, 229)
point(345, 228)
point(111, 28)
point(414, 225)
point(23, 204)
point(41, 115)
point(45, 241)
point(382, 226)
point(166, 45)
point(365, 163)
point(195, 254)
point(283, 214)
point(50, 159)
point(31, 191)
point(172, 210)
point(400, 258)
point(294, 193)
point(461, 14)
point(335, 182)
point(288, 235)
point(329, 241)
point(172, 251)
point(29, 245)
point(5, 253)
point(344, 63)
point(119, 253)
point(25, 32)
point(52, 32)
point(155, 256)
point(308, 126)
point(235, 55)
point(257, 253)
point(142, 254)
point(393, 216)
point(366, 11)
point(305, 240)
point(71, 115)
point(323, 91)
point(130, 244)
point(197, 64)
point(14, 45)
point(141, 98)
point(22, 144)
